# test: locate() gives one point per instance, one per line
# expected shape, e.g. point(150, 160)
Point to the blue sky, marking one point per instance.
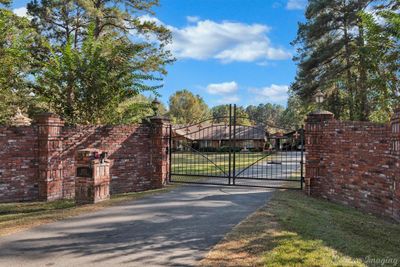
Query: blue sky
point(229, 51)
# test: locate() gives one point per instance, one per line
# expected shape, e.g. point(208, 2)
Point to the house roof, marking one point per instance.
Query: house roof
point(219, 131)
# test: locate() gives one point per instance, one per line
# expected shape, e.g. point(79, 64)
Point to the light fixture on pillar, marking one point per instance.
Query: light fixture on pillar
point(319, 99)
point(155, 105)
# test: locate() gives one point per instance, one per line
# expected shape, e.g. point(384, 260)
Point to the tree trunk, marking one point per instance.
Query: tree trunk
point(362, 84)
point(349, 85)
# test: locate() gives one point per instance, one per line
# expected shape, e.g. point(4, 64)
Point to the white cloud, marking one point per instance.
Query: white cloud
point(222, 88)
point(148, 18)
point(21, 11)
point(226, 41)
point(229, 100)
point(273, 93)
point(253, 51)
point(192, 19)
point(296, 4)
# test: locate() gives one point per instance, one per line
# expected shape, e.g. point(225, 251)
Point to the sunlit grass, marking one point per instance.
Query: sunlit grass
point(210, 163)
point(296, 230)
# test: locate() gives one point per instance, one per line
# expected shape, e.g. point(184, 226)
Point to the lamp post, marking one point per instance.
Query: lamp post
point(154, 106)
point(319, 99)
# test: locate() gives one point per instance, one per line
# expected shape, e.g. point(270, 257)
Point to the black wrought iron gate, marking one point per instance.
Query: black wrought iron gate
point(232, 151)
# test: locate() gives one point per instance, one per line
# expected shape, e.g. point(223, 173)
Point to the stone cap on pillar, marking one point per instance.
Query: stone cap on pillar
point(321, 112)
point(320, 115)
point(160, 120)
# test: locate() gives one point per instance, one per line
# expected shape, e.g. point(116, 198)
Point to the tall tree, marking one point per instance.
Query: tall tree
point(220, 113)
point(136, 110)
point(265, 114)
point(295, 113)
point(16, 61)
point(101, 53)
point(331, 55)
point(382, 56)
point(187, 108)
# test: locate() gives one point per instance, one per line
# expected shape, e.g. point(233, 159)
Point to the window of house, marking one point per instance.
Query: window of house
point(248, 143)
point(205, 143)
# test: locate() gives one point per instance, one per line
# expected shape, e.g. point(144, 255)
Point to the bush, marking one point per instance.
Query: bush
point(256, 149)
point(227, 149)
point(207, 149)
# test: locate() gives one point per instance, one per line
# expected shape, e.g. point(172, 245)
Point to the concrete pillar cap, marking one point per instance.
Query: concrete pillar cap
point(321, 112)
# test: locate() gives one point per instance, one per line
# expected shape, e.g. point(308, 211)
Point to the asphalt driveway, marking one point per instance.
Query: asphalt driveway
point(176, 228)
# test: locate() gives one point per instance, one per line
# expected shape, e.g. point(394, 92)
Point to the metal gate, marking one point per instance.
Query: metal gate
point(229, 151)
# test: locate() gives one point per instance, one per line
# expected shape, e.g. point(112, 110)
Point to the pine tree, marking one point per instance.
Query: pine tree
point(382, 57)
point(331, 55)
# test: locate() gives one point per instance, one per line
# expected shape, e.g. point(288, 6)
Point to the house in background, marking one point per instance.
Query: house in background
point(215, 136)
point(286, 141)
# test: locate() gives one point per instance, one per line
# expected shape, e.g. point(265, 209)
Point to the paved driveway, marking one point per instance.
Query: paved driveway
point(282, 165)
point(176, 228)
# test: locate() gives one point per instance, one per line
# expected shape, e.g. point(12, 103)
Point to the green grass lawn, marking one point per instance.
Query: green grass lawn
point(296, 230)
point(15, 217)
point(212, 163)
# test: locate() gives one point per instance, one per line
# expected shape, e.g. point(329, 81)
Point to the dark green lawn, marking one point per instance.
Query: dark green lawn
point(212, 163)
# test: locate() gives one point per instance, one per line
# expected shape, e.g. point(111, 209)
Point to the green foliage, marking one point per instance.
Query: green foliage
point(344, 52)
point(16, 62)
point(187, 108)
point(87, 85)
point(98, 56)
point(382, 54)
point(136, 109)
point(266, 114)
point(220, 113)
point(295, 114)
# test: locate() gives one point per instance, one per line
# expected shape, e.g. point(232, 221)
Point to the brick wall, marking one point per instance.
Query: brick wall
point(128, 148)
point(38, 162)
point(18, 163)
point(354, 163)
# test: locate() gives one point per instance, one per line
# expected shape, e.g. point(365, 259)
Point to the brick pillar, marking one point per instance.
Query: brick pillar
point(50, 164)
point(314, 131)
point(395, 154)
point(160, 147)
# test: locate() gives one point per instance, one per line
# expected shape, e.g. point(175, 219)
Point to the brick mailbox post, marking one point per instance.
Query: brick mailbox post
point(92, 182)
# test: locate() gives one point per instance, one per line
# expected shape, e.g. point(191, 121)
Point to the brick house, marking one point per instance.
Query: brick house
point(215, 136)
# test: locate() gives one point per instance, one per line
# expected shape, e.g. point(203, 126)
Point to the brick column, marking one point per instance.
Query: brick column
point(395, 153)
point(160, 148)
point(314, 131)
point(50, 164)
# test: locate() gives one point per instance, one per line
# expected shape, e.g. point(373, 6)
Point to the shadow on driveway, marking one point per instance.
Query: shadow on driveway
point(175, 228)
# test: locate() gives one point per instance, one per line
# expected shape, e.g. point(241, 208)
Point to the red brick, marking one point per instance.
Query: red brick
point(38, 161)
point(354, 163)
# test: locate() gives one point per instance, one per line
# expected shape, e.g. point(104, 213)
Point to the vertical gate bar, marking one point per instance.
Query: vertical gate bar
point(234, 143)
point(301, 155)
point(170, 152)
point(230, 144)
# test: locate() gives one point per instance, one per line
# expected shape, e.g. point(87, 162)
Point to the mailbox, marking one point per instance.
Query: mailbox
point(92, 182)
